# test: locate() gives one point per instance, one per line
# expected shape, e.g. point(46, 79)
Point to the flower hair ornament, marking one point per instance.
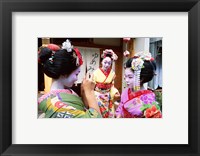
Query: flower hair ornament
point(137, 65)
point(110, 52)
point(67, 46)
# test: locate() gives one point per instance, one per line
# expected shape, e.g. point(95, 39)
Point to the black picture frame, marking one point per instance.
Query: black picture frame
point(9, 6)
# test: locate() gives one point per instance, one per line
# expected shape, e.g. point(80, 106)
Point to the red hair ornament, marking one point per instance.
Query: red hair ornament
point(51, 46)
point(79, 59)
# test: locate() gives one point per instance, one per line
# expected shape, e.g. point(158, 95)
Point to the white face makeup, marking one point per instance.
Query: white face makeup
point(72, 78)
point(129, 77)
point(106, 63)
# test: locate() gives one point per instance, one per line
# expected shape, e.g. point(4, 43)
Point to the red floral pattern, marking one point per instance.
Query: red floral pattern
point(152, 112)
point(132, 95)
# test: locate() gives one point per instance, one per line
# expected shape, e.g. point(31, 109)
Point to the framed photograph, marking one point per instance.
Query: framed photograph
point(25, 26)
point(103, 60)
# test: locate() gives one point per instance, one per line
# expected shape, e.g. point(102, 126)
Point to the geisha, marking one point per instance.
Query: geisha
point(136, 101)
point(63, 66)
point(105, 91)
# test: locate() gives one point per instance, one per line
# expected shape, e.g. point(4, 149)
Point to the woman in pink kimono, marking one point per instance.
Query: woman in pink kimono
point(136, 101)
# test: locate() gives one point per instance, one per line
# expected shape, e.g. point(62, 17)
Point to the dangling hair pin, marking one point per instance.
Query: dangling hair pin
point(51, 59)
point(137, 65)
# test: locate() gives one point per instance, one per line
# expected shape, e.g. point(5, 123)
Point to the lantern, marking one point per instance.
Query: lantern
point(126, 52)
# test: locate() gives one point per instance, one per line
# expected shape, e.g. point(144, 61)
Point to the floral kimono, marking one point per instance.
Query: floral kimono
point(63, 103)
point(105, 91)
point(132, 105)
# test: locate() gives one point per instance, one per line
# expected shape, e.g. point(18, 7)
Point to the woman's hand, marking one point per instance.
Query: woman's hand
point(87, 93)
point(117, 96)
point(87, 85)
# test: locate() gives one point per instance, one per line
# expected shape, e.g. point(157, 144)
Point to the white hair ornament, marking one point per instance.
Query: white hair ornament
point(67, 46)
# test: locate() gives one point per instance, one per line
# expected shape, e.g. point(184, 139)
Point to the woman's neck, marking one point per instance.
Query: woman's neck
point(56, 84)
point(106, 70)
point(141, 88)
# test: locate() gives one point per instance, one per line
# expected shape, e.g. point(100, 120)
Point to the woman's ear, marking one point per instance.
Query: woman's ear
point(64, 76)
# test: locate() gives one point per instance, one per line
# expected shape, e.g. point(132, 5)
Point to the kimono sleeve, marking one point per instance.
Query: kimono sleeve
point(92, 113)
point(113, 91)
point(75, 113)
point(119, 110)
point(61, 110)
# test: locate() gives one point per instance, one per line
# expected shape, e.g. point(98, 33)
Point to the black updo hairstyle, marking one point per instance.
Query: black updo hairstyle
point(147, 72)
point(63, 63)
point(107, 55)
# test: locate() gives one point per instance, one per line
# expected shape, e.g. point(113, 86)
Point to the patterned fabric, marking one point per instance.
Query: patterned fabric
point(63, 103)
point(104, 94)
point(105, 104)
point(131, 102)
